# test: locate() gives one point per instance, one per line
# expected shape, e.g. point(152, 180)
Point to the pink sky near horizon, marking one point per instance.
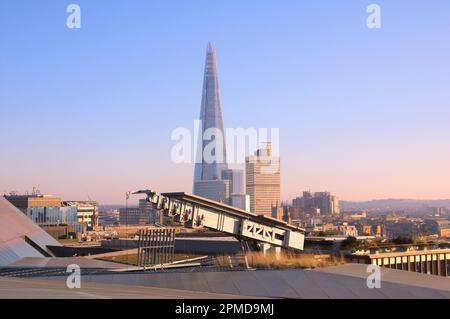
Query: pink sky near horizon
point(355, 180)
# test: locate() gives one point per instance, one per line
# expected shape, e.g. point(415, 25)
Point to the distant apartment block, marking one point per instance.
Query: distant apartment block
point(322, 203)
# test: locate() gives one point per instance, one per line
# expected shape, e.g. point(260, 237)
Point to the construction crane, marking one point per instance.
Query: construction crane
point(256, 230)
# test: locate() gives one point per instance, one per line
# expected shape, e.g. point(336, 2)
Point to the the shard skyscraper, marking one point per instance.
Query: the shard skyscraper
point(208, 174)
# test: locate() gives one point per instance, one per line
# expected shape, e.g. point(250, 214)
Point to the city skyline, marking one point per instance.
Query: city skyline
point(362, 113)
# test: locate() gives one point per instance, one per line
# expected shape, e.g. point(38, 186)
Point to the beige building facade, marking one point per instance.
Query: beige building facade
point(263, 181)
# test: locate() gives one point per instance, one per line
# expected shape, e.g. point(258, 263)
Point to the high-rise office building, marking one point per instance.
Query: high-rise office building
point(262, 173)
point(238, 197)
point(208, 172)
point(236, 178)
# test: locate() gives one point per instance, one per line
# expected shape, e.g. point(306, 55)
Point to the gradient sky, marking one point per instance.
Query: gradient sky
point(362, 113)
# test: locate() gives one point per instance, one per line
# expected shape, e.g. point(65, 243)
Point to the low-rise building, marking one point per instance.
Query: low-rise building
point(23, 202)
point(143, 215)
point(49, 212)
point(341, 229)
point(87, 212)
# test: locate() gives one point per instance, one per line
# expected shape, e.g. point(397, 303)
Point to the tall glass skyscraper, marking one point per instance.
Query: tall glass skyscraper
point(211, 118)
point(207, 171)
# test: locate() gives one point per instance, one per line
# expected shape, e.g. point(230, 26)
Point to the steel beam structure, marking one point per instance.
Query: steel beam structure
point(196, 212)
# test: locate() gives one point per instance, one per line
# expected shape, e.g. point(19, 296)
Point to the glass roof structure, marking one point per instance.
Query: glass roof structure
point(20, 237)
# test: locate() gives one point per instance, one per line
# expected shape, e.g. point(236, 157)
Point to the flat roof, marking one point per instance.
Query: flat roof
point(14, 288)
point(340, 282)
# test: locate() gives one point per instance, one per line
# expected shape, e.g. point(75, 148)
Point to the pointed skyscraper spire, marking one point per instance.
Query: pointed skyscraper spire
point(211, 118)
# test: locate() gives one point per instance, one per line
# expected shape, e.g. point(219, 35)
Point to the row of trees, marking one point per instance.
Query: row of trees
point(351, 243)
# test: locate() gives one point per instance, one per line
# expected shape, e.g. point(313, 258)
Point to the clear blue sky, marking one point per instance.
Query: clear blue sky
point(362, 113)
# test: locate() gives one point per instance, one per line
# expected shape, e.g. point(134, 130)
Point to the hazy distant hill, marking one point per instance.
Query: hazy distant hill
point(394, 204)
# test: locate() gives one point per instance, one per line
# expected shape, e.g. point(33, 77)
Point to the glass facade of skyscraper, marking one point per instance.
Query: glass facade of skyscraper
point(211, 118)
